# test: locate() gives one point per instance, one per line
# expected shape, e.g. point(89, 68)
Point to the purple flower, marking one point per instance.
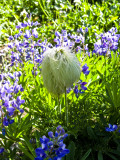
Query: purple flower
point(85, 69)
point(86, 29)
point(81, 30)
point(3, 131)
point(1, 150)
point(76, 91)
point(27, 34)
point(5, 121)
point(11, 38)
point(24, 25)
point(57, 34)
point(35, 33)
point(83, 85)
point(111, 127)
point(50, 134)
point(68, 90)
point(54, 149)
point(20, 101)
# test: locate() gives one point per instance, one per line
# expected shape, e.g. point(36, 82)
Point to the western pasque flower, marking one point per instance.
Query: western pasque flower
point(60, 69)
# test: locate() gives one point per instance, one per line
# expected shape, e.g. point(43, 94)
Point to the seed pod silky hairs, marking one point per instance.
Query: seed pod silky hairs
point(60, 69)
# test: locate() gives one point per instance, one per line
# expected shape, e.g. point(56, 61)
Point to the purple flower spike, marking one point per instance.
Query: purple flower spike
point(54, 149)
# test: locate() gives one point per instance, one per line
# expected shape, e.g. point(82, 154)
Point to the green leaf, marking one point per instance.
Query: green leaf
point(100, 155)
point(86, 154)
point(37, 136)
point(29, 145)
point(91, 133)
point(112, 156)
point(26, 152)
point(71, 147)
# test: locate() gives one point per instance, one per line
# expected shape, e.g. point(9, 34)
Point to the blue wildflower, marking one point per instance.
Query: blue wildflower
point(1, 150)
point(3, 131)
point(85, 69)
point(111, 128)
point(53, 148)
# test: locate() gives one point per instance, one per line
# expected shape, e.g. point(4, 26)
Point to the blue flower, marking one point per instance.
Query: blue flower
point(83, 85)
point(3, 131)
point(39, 158)
point(53, 148)
point(50, 134)
point(76, 91)
point(111, 128)
point(85, 69)
point(1, 150)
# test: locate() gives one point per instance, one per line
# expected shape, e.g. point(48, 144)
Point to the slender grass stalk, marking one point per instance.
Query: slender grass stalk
point(43, 9)
point(66, 108)
point(46, 13)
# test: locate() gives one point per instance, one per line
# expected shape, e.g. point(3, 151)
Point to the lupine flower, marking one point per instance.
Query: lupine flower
point(107, 42)
point(7, 100)
point(111, 128)
point(83, 85)
point(3, 131)
point(68, 90)
point(1, 150)
point(76, 91)
point(85, 69)
point(53, 147)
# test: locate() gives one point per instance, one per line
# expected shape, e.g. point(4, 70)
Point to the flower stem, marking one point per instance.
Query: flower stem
point(59, 106)
point(66, 108)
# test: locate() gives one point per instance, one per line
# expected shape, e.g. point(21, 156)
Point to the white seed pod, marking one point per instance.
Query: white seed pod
point(60, 69)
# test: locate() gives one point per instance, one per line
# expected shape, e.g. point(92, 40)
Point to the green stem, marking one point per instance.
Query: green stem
point(66, 108)
point(59, 106)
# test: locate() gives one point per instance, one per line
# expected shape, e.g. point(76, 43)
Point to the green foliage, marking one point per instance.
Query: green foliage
point(90, 113)
point(71, 147)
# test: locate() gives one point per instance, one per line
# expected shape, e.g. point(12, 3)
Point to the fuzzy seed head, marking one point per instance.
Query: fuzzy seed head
point(60, 69)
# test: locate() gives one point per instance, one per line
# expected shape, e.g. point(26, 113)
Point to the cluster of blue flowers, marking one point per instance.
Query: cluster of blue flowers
point(7, 92)
point(52, 148)
point(71, 40)
point(8, 103)
point(107, 42)
point(25, 44)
